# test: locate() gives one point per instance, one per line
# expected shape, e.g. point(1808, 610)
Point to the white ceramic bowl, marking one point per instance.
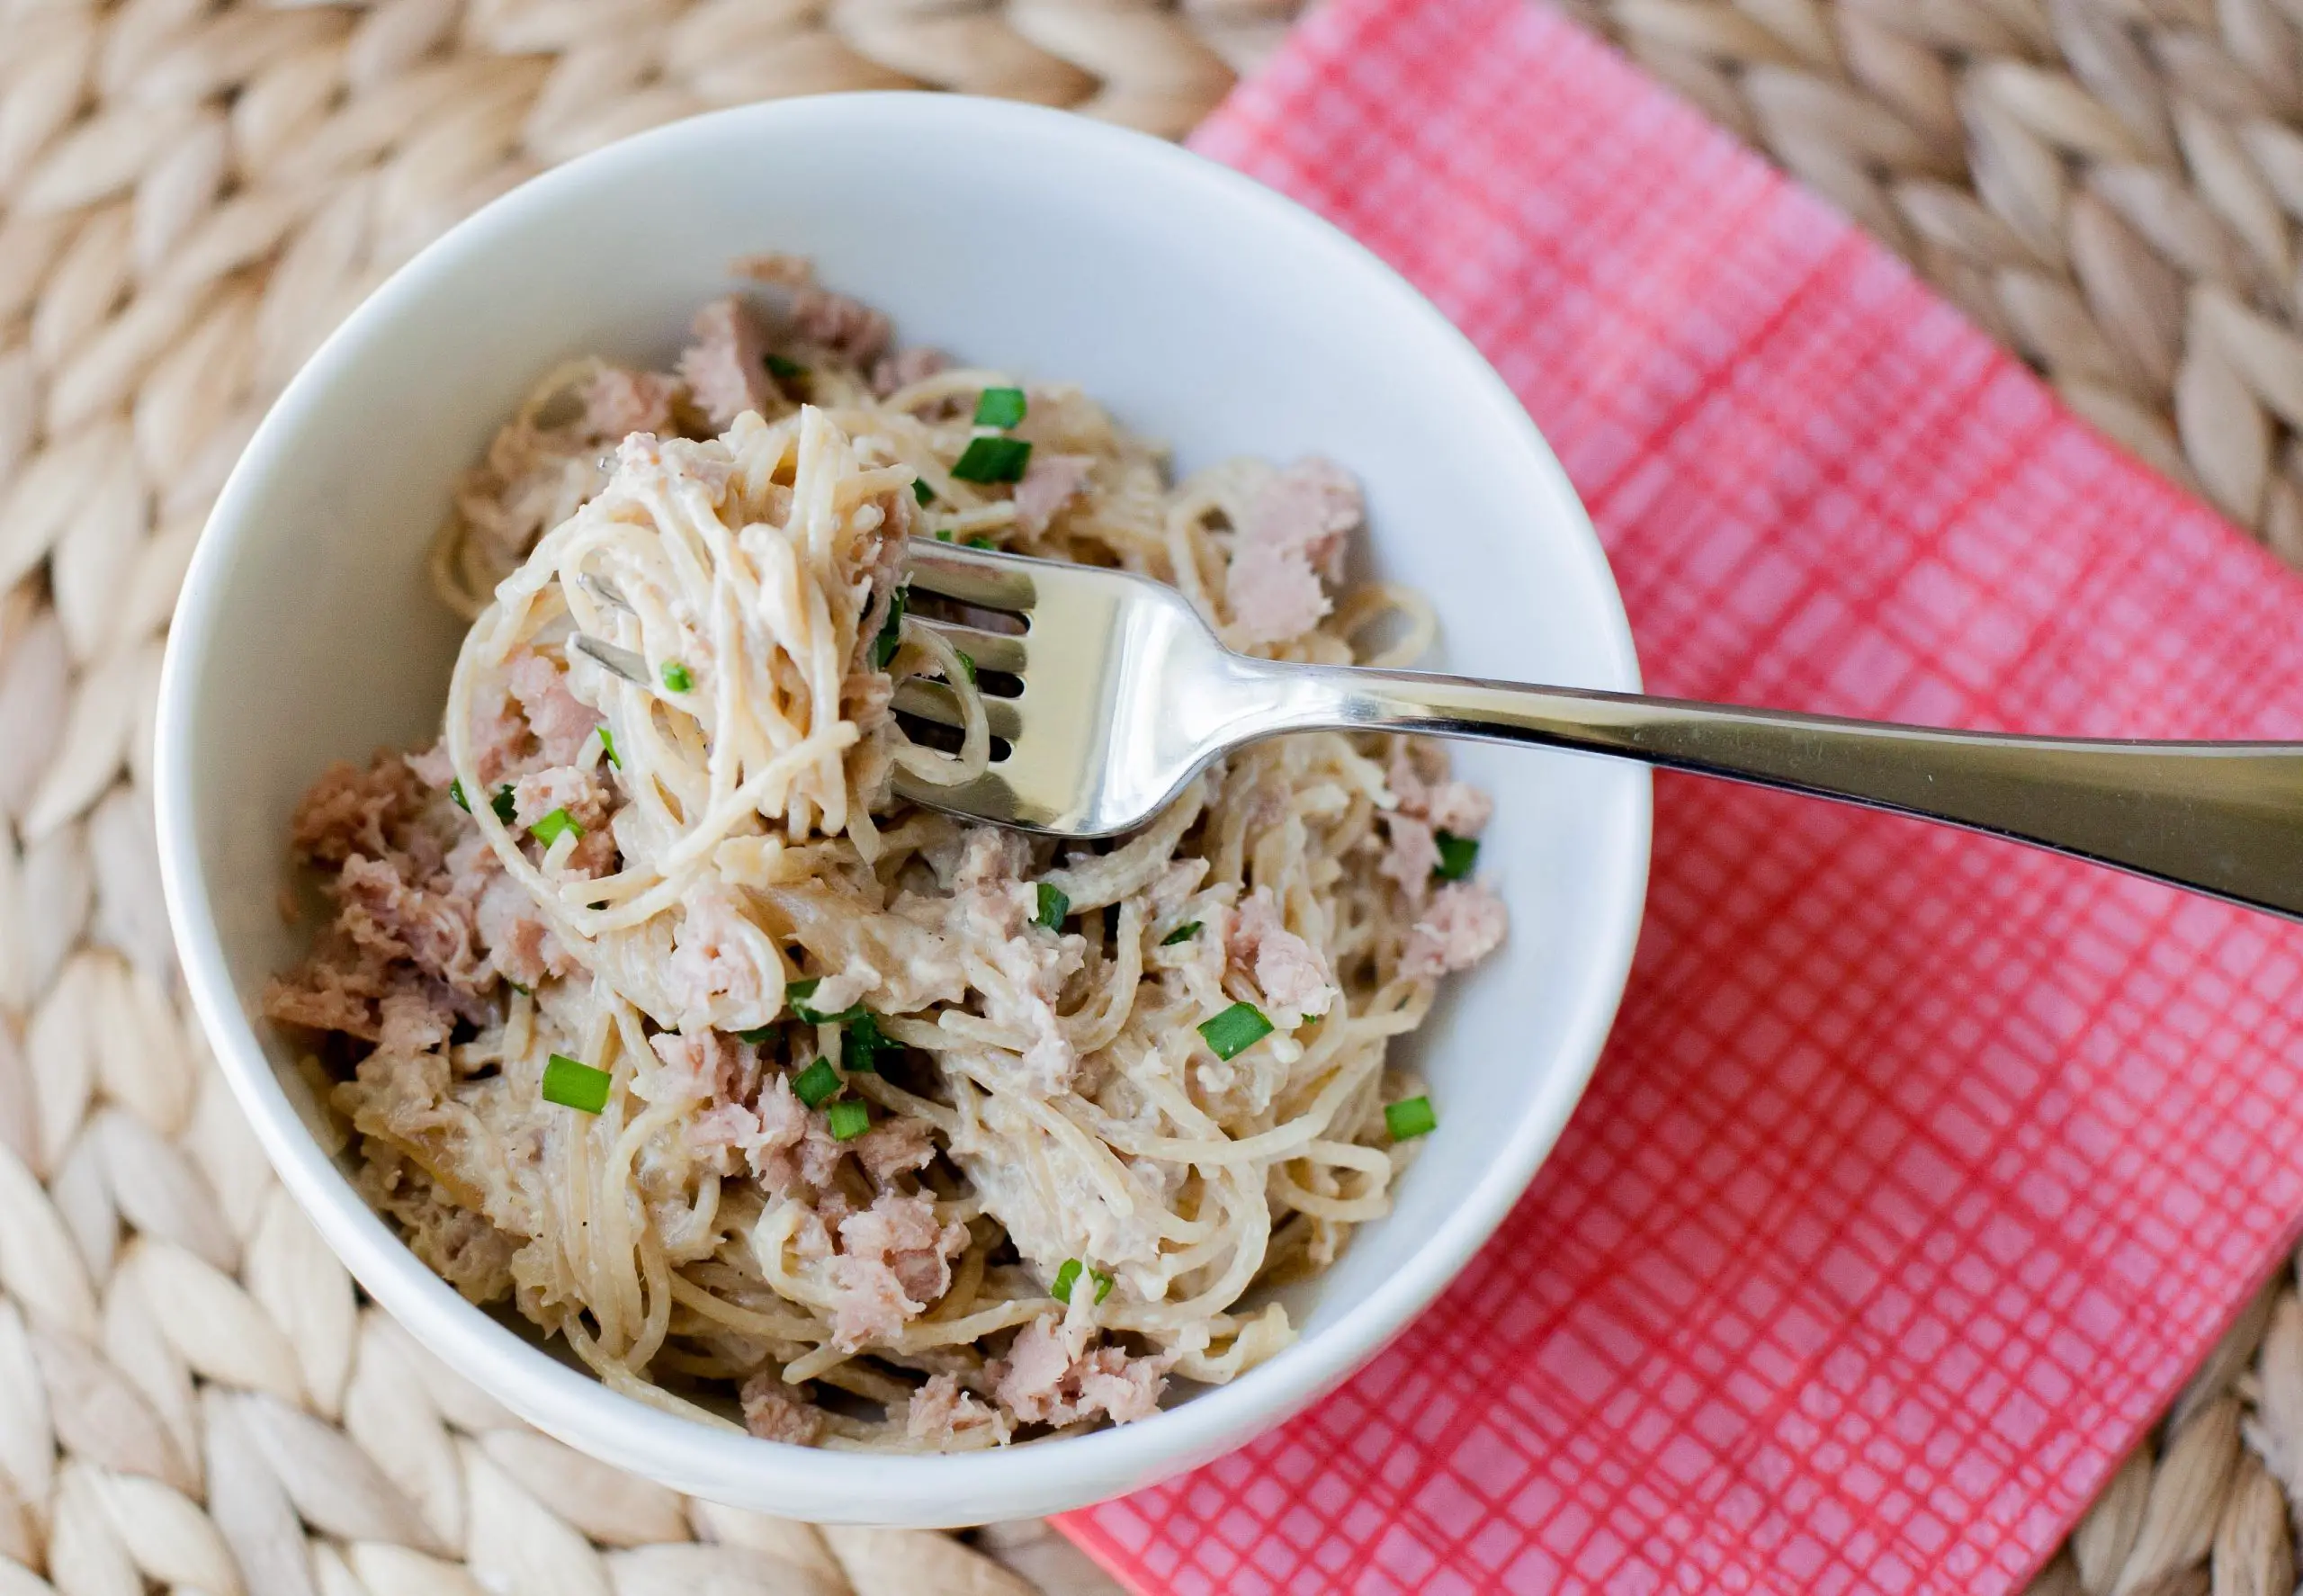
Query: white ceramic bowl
point(1205, 311)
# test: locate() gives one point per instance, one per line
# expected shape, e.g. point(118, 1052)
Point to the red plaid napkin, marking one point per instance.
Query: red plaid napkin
point(1922, 1167)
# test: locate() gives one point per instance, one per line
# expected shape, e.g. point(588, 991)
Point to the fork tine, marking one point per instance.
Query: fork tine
point(933, 700)
point(991, 650)
point(971, 576)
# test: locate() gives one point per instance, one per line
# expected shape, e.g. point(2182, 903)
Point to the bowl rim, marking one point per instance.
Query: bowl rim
point(832, 1486)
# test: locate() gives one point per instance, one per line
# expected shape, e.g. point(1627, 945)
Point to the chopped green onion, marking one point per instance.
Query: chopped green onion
point(1456, 854)
point(516, 986)
point(1068, 1276)
point(865, 1042)
point(817, 1084)
point(1409, 1117)
point(1054, 906)
point(1183, 933)
point(884, 646)
point(943, 535)
point(675, 676)
point(756, 1035)
point(780, 366)
point(504, 805)
point(999, 406)
point(553, 826)
point(925, 495)
point(607, 748)
point(980, 541)
point(1235, 1030)
point(967, 665)
point(850, 1119)
point(993, 460)
point(456, 796)
point(800, 991)
point(574, 1084)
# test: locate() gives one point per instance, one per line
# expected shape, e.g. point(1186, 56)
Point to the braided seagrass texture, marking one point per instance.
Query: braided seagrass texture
point(192, 1396)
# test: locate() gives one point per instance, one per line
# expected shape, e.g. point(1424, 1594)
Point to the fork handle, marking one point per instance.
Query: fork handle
point(2222, 817)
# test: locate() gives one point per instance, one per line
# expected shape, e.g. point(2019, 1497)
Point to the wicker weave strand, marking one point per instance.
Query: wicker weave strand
point(192, 1394)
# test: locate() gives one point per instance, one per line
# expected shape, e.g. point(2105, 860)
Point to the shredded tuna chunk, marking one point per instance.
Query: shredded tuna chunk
point(434, 930)
point(904, 1233)
point(1040, 1383)
point(1464, 923)
point(906, 366)
point(895, 1260)
point(895, 1147)
point(1417, 776)
point(1459, 809)
point(519, 943)
point(726, 367)
point(1293, 537)
point(1286, 969)
point(326, 995)
point(1049, 482)
point(940, 1411)
point(560, 721)
point(414, 1020)
point(1019, 967)
point(1309, 509)
point(618, 402)
point(563, 786)
point(1413, 855)
point(702, 1068)
point(847, 327)
point(775, 1411)
point(717, 962)
point(788, 1148)
point(349, 810)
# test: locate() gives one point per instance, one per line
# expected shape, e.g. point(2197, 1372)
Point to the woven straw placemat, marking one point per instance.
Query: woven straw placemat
point(191, 193)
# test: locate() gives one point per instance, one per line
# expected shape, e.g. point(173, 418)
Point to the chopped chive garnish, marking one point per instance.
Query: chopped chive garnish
point(850, 1119)
point(1054, 906)
point(1456, 854)
point(607, 748)
point(925, 495)
point(1068, 1276)
point(884, 646)
point(456, 796)
point(999, 406)
point(980, 541)
point(504, 805)
point(550, 830)
point(967, 665)
point(516, 986)
point(994, 460)
point(574, 1084)
point(756, 1035)
point(1183, 933)
point(1409, 1117)
point(1235, 1030)
point(865, 1042)
point(780, 366)
point(943, 535)
point(675, 676)
point(817, 1084)
point(800, 991)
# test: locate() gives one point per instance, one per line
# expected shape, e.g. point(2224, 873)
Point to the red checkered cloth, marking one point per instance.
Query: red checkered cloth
point(1922, 1167)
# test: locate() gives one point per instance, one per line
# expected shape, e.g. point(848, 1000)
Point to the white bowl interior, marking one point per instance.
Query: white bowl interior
point(1204, 311)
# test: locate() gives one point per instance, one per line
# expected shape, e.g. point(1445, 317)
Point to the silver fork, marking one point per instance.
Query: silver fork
point(1126, 694)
